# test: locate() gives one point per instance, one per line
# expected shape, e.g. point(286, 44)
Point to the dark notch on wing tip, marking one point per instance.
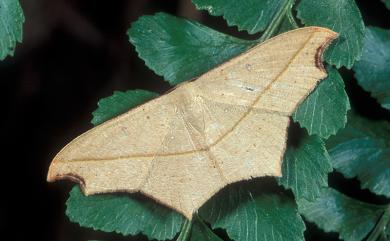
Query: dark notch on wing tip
point(72, 177)
point(318, 58)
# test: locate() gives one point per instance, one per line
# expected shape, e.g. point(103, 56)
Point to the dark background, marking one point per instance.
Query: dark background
point(74, 53)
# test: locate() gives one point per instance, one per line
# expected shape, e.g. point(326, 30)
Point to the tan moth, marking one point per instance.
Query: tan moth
point(229, 124)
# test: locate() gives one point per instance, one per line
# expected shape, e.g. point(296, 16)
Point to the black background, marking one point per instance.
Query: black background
point(73, 53)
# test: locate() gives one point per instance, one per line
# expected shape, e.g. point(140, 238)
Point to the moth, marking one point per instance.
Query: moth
point(228, 125)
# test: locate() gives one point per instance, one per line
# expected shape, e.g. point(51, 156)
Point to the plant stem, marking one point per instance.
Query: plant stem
point(380, 226)
point(277, 20)
point(185, 231)
point(291, 18)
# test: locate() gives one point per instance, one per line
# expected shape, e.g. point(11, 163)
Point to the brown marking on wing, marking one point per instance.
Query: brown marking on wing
point(320, 51)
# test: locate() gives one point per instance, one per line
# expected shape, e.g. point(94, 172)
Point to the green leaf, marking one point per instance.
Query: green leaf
point(180, 49)
point(387, 3)
point(288, 23)
point(196, 230)
point(11, 24)
point(122, 214)
point(324, 111)
point(342, 16)
point(200, 232)
point(373, 70)
point(335, 212)
point(305, 169)
point(247, 216)
point(250, 15)
point(119, 103)
point(362, 150)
